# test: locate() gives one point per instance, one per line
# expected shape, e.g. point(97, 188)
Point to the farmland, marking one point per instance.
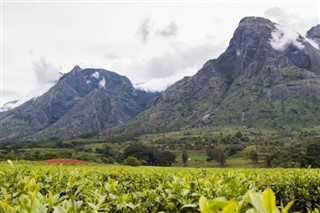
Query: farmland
point(291, 148)
point(39, 187)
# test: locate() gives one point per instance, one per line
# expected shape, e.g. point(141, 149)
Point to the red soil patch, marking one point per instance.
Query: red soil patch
point(66, 161)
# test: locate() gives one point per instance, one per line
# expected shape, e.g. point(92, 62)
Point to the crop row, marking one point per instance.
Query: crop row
point(26, 187)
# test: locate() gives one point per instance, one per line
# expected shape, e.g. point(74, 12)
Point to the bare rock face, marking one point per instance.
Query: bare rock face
point(314, 34)
point(83, 102)
point(264, 78)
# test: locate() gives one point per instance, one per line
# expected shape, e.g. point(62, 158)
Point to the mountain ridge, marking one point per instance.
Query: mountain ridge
point(265, 78)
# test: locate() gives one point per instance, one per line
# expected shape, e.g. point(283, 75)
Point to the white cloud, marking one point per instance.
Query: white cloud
point(174, 60)
point(144, 29)
point(170, 30)
point(46, 76)
point(282, 37)
point(102, 83)
point(160, 84)
point(95, 75)
point(279, 14)
point(292, 19)
point(9, 93)
point(160, 72)
point(150, 28)
point(9, 105)
point(45, 72)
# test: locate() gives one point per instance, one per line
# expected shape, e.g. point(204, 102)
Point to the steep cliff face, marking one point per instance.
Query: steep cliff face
point(83, 101)
point(314, 34)
point(268, 77)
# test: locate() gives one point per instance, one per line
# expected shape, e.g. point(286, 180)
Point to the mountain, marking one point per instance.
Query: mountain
point(82, 102)
point(267, 77)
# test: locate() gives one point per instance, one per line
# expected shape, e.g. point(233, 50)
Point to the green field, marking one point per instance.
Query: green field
point(38, 187)
point(293, 148)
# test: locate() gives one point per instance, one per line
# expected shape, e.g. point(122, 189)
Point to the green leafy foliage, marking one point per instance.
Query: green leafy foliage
point(36, 187)
point(185, 157)
point(131, 161)
point(262, 202)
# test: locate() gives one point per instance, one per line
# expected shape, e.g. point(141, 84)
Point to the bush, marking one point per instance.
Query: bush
point(49, 155)
point(107, 160)
point(132, 161)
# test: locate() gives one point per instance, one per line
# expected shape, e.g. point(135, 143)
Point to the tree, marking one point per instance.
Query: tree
point(268, 160)
point(238, 135)
point(217, 153)
point(107, 151)
point(164, 158)
point(254, 156)
point(141, 152)
point(220, 155)
point(83, 156)
point(185, 157)
point(107, 160)
point(36, 155)
point(313, 155)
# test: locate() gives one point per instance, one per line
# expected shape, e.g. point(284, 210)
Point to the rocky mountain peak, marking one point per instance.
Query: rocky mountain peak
point(254, 21)
point(266, 71)
point(258, 45)
point(248, 48)
point(76, 69)
point(83, 81)
point(255, 28)
point(314, 34)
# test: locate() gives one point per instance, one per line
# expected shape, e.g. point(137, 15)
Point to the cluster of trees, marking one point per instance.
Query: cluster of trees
point(149, 155)
point(217, 153)
point(38, 155)
point(137, 154)
point(313, 155)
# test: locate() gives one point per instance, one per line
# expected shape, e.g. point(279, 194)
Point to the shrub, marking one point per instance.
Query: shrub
point(132, 161)
point(108, 160)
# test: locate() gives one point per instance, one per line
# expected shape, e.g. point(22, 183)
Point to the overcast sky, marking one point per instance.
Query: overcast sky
point(156, 43)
